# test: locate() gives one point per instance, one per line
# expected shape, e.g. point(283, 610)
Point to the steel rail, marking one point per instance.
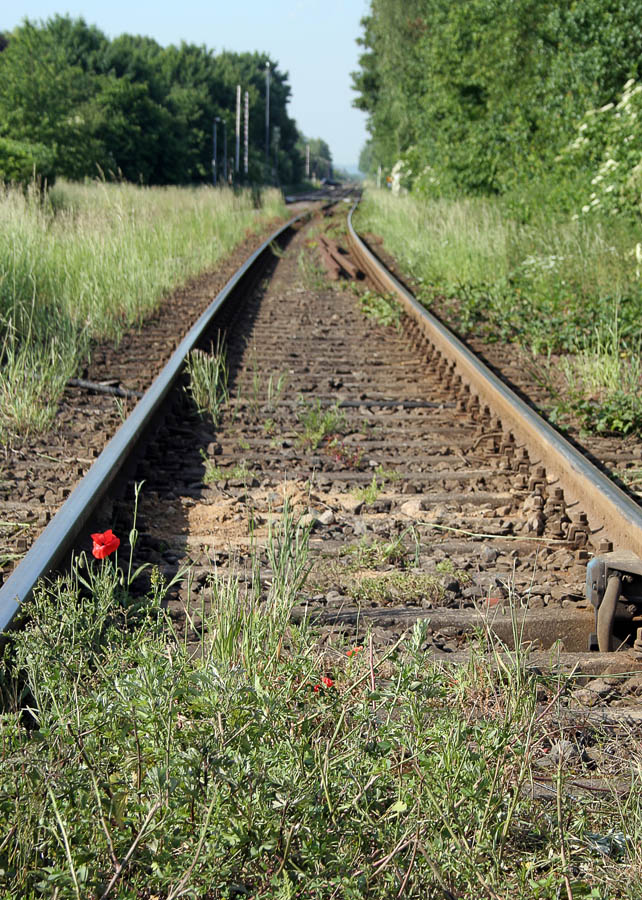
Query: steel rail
point(60, 534)
point(611, 513)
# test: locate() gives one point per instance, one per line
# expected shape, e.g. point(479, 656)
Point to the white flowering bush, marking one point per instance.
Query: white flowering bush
point(400, 172)
point(413, 172)
point(609, 144)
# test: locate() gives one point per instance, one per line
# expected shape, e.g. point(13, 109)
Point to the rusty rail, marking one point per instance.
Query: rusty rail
point(611, 513)
point(337, 257)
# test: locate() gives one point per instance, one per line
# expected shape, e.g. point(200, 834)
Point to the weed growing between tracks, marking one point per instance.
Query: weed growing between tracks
point(370, 493)
point(213, 473)
point(319, 423)
point(208, 374)
point(89, 262)
point(558, 286)
point(262, 391)
point(382, 309)
point(136, 765)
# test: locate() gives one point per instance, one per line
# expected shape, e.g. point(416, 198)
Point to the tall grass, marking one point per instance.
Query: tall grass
point(93, 260)
point(554, 283)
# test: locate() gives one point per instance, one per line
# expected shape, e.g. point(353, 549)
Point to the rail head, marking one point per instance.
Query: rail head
point(611, 512)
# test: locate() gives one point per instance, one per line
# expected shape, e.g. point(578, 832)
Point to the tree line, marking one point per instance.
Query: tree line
point(480, 95)
point(75, 104)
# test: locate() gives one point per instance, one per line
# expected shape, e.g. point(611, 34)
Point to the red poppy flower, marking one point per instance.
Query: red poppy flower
point(327, 682)
point(104, 544)
point(354, 651)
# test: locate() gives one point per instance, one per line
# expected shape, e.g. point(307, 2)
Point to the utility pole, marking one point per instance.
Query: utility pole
point(267, 122)
point(225, 151)
point(277, 144)
point(307, 161)
point(246, 135)
point(238, 128)
point(214, 157)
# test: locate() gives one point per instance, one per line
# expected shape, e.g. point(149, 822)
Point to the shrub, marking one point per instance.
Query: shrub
point(608, 144)
point(21, 162)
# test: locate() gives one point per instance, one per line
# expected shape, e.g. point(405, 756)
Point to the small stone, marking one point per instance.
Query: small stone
point(623, 702)
point(489, 555)
point(633, 685)
point(309, 520)
point(536, 524)
point(334, 598)
point(359, 527)
point(413, 508)
point(536, 602)
point(564, 752)
point(599, 686)
point(585, 697)
point(450, 583)
point(593, 692)
point(570, 603)
point(327, 517)
point(488, 584)
point(351, 504)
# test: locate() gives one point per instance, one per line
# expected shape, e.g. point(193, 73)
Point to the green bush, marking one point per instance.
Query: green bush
point(21, 162)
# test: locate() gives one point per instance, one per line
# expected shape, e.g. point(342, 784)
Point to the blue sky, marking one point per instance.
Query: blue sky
point(313, 40)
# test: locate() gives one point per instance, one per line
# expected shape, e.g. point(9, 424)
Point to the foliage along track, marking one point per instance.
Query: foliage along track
point(417, 506)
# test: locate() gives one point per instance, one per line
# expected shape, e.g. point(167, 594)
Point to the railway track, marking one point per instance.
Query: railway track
point(428, 493)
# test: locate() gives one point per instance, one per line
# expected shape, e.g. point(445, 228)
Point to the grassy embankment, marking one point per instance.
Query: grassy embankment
point(567, 288)
point(131, 767)
point(90, 262)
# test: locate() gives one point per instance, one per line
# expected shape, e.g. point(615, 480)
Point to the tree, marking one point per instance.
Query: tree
point(489, 91)
point(134, 109)
point(45, 99)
